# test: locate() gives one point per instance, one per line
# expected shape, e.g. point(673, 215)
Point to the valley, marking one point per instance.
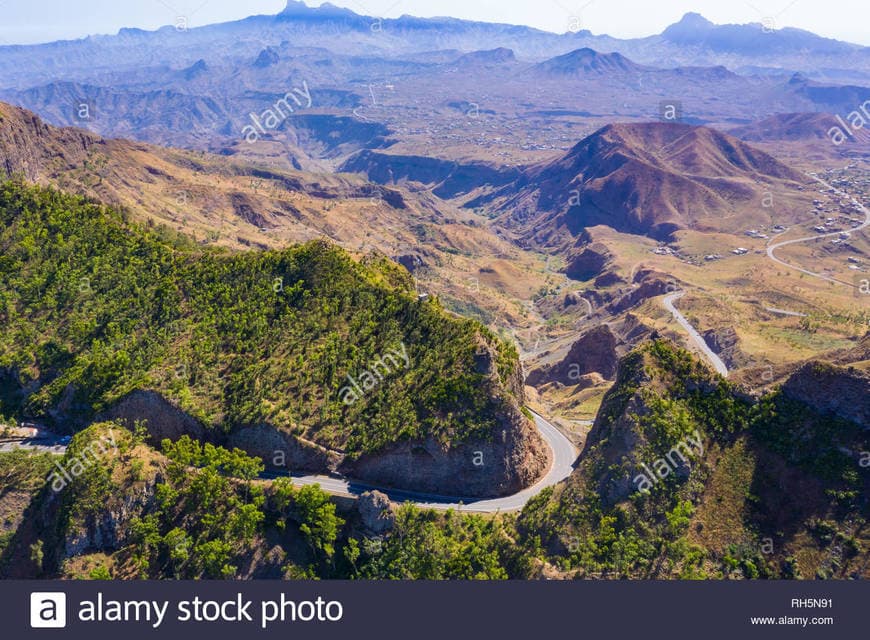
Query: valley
point(443, 290)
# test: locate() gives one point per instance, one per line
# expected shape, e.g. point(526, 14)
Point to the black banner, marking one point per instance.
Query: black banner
point(442, 610)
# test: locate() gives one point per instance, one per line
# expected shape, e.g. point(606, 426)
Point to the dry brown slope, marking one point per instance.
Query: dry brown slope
point(649, 179)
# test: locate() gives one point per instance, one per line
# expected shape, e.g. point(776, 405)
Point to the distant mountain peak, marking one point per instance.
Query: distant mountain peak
point(586, 60)
point(295, 7)
point(693, 20)
point(131, 31)
point(196, 69)
point(490, 56)
point(327, 10)
point(748, 39)
point(646, 178)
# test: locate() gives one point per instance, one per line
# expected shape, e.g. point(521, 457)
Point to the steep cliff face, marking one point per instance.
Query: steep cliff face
point(512, 457)
point(36, 150)
point(615, 446)
point(328, 136)
point(283, 451)
point(162, 418)
point(594, 352)
point(831, 389)
point(114, 503)
point(725, 343)
point(108, 529)
point(589, 262)
point(87, 504)
point(470, 470)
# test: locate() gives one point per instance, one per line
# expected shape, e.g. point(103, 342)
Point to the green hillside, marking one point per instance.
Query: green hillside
point(94, 306)
point(195, 511)
point(774, 491)
point(773, 488)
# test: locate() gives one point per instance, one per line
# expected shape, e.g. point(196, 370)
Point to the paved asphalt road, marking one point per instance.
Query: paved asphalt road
point(563, 450)
point(772, 248)
point(46, 442)
point(696, 337)
point(564, 455)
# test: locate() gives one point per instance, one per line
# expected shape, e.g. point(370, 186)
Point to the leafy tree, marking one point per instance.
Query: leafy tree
point(319, 522)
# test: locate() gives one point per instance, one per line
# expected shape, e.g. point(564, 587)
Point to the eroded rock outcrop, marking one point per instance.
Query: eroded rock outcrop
point(411, 261)
point(447, 178)
point(831, 389)
point(649, 285)
point(161, 417)
point(589, 262)
point(594, 352)
point(109, 529)
point(724, 342)
point(281, 450)
point(512, 458)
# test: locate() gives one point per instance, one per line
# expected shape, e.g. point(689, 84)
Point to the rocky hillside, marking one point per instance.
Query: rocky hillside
point(587, 61)
point(593, 352)
point(683, 475)
point(829, 389)
point(188, 511)
point(648, 179)
point(796, 127)
point(215, 199)
point(335, 364)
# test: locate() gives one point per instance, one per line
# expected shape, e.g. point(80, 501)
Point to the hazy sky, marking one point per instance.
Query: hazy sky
point(23, 21)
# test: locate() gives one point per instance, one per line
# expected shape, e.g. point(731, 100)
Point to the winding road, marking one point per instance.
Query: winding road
point(564, 454)
point(696, 337)
point(773, 247)
point(561, 467)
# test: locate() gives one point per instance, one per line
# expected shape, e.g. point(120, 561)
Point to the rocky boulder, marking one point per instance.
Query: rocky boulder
point(267, 58)
point(376, 512)
point(411, 261)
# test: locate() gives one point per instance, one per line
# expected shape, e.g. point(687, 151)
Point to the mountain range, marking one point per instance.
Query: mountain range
point(190, 88)
point(693, 40)
point(272, 275)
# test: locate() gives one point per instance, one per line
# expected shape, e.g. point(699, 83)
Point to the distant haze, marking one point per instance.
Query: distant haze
point(48, 20)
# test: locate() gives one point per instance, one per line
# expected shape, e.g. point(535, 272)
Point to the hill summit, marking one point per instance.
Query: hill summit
point(588, 61)
point(648, 178)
